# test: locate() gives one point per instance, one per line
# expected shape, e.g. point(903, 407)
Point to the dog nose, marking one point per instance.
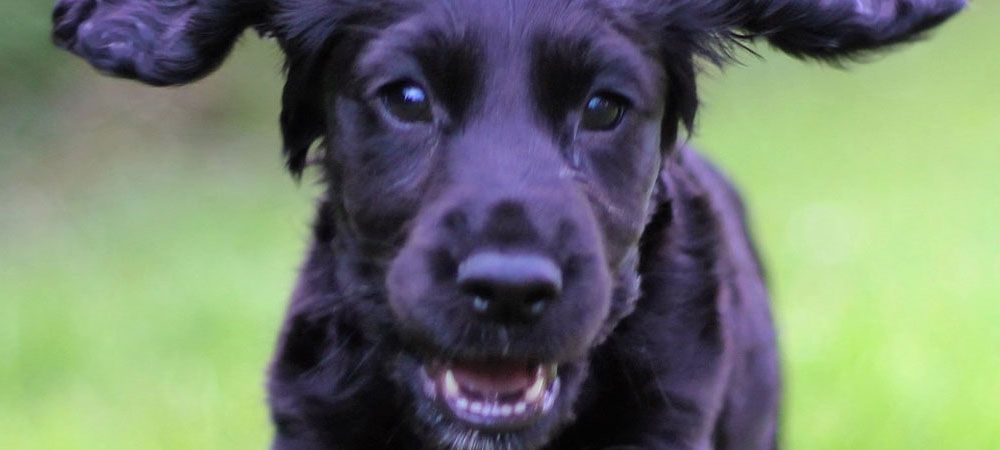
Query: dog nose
point(509, 287)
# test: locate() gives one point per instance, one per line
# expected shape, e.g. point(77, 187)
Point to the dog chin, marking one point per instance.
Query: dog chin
point(491, 404)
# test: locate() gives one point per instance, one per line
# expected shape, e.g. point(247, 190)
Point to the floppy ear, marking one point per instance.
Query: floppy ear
point(303, 119)
point(828, 29)
point(158, 42)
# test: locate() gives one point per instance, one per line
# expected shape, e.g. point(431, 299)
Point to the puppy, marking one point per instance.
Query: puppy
point(512, 253)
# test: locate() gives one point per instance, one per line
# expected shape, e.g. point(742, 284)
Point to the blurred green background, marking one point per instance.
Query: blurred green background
point(149, 239)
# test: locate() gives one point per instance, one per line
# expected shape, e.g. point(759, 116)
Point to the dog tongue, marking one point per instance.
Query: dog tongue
point(495, 378)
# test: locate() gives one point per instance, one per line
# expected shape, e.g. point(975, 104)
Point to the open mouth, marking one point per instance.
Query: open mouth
point(494, 395)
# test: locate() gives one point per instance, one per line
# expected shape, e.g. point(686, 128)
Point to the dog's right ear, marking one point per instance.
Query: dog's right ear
point(158, 42)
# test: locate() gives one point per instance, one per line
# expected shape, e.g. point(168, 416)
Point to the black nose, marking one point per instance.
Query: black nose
point(509, 287)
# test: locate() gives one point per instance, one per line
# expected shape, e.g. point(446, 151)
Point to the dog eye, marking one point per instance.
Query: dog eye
point(407, 102)
point(603, 112)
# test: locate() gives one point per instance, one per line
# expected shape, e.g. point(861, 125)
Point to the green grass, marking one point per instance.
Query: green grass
point(146, 252)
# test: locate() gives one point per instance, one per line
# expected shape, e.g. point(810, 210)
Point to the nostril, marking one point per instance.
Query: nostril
point(481, 290)
point(509, 286)
point(480, 304)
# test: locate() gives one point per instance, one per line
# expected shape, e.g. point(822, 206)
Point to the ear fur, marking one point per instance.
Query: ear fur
point(829, 30)
point(303, 118)
point(320, 39)
point(832, 29)
point(158, 42)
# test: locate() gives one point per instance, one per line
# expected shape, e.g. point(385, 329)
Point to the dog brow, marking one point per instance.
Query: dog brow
point(566, 66)
point(452, 64)
point(449, 60)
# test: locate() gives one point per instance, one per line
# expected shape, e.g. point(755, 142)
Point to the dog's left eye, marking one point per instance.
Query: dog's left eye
point(603, 112)
point(407, 102)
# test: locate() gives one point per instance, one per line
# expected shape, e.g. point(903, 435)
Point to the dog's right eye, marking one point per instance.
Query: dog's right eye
point(407, 102)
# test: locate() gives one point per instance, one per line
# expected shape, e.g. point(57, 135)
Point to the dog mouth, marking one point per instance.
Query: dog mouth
point(493, 396)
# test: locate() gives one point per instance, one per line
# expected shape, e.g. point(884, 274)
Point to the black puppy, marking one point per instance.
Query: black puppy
point(512, 253)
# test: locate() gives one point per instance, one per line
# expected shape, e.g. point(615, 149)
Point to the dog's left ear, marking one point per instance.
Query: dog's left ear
point(158, 42)
point(828, 30)
point(831, 29)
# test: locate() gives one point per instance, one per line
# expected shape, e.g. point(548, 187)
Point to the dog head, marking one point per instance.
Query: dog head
point(490, 162)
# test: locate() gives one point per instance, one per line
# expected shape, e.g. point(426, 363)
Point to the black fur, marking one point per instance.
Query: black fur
point(660, 325)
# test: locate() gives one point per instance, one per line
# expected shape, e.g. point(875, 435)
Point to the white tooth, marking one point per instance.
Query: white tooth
point(450, 384)
point(505, 410)
point(476, 407)
point(520, 408)
point(535, 391)
point(463, 403)
point(549, 401)
point(550, 397)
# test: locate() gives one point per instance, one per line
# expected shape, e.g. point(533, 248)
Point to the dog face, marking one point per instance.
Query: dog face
point(504, 170)
point(489, 163)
